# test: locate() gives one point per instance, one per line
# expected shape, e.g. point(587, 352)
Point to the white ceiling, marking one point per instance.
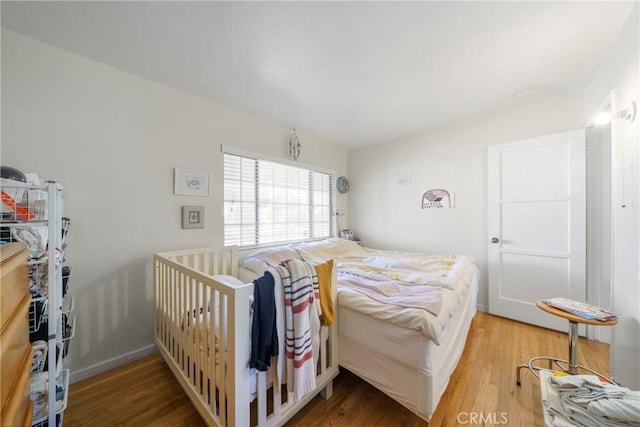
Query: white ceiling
point(355, 73)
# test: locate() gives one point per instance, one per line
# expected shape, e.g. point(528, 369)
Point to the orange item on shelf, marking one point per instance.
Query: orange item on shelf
point(22, 212)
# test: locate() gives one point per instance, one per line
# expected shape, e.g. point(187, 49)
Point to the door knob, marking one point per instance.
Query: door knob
point(494, 240)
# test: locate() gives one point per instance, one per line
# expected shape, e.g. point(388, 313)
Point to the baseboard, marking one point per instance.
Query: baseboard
point(483, 308)
point(112, 363)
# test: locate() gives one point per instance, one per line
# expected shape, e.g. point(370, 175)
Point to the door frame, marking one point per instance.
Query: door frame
point(598, 292)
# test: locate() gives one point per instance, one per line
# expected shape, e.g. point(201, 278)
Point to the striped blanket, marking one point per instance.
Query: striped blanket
point(302, 324)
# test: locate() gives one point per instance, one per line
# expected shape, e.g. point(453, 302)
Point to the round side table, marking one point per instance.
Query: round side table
point(571, 366)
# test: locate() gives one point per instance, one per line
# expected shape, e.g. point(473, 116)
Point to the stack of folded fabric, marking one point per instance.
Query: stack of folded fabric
point(585, 400)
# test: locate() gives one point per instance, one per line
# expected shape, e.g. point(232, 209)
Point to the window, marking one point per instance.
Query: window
point(267, 202)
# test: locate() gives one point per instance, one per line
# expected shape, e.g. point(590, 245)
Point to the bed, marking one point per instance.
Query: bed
point(202, 318)
point(408, 352)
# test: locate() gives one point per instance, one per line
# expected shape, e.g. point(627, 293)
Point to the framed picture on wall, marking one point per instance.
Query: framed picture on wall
point(191, 182)
point(193, 217)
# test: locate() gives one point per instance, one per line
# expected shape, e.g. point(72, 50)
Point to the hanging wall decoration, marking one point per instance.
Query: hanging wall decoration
point(294, 148)
point(437, 198)
point(342, 184)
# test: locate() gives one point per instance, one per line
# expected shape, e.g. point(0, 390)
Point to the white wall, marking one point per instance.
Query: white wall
point(388, 215)
point(113, 139)
point(619, 72)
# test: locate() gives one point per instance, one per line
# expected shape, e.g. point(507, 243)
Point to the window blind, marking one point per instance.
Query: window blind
point(266, 202)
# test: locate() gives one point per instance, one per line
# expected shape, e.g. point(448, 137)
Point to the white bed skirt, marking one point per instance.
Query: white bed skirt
point(401, 363)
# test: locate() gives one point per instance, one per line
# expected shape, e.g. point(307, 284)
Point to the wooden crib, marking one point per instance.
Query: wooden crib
point(197, 304)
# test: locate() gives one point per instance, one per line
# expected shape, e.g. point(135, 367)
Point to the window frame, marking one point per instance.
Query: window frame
point(259, 157)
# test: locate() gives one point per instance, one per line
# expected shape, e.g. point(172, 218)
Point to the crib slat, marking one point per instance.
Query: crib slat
point(219, 370)
point(183, 331)
point(158, 286)
point(196, 262)
point(222, 340)
point(165, 304)
point(175, 322)
point(193, 331)
point(170, 308)
point(216, 265)
point(195, 349)
point(205, 343)
point(173, 298)
point(190, 335)
point(206, 267)
point(178, 319)
point(323, 350)
point(277, 395)
point(214, 353)
point(261, 389)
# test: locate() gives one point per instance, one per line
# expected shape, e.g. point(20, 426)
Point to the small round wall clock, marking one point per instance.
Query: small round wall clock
point(342, 184)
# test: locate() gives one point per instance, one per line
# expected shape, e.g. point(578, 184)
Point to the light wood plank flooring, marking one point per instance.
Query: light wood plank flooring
point(145, 393)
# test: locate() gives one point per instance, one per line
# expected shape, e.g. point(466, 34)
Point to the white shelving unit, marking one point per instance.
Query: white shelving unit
point(34, 215)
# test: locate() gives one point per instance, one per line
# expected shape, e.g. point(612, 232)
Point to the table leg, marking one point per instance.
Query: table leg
point(573, 348)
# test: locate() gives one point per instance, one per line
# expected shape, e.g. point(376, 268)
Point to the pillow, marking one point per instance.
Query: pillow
point(332, 248)
point(274, 256)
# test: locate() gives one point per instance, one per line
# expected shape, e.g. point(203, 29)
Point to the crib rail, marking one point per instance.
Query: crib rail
point(201, 328)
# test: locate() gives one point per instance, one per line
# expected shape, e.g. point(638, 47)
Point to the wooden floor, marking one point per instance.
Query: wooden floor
point(145, 393)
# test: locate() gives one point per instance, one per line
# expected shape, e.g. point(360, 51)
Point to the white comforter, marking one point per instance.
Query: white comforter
point(449, 275)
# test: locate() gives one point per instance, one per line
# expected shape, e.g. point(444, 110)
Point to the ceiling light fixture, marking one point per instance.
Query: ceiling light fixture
point(294, 147)
point(602, 118)
point(628, 114)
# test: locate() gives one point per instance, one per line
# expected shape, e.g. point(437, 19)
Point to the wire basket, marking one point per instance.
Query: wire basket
point(45, 423)
point(40, 349)
point(68, 332)
point(39, 391)
point(37, 313)
point(23, 202)
point(66, 274)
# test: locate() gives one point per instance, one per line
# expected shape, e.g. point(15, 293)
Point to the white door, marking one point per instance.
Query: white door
point(537, 226)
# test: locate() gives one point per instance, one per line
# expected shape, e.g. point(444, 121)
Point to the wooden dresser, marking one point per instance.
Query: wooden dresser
point(15, 350)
